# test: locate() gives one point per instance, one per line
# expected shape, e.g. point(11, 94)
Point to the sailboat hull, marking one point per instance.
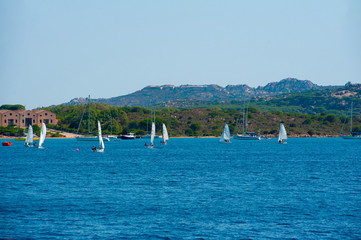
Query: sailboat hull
point(352, 137)
point(246, 137)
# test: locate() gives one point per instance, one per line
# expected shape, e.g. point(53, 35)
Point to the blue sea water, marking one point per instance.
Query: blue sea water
point(189, 189)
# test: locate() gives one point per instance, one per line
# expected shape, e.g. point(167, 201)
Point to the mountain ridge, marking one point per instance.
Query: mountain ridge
point(156, 94)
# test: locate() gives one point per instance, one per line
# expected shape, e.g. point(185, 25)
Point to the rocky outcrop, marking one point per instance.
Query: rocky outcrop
point(154, 94)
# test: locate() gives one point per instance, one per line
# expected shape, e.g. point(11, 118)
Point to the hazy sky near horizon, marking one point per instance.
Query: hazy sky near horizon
point(54, 51)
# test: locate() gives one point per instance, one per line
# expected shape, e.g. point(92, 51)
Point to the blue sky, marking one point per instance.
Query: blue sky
point(53, 51)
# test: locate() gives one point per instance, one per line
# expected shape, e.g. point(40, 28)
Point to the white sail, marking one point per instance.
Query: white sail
point(226, 135)
point(42, 135)
point(29, 137)
point(152, 134)
point(101, 142)
point(165, 133)
point(283, 134)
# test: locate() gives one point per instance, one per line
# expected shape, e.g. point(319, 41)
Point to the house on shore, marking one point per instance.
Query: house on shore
point(24, 118)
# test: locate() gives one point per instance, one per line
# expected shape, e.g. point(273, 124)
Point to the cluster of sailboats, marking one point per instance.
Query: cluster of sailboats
point(245, 135)
point(226, 135)
point(29, 141)
point(101, 146)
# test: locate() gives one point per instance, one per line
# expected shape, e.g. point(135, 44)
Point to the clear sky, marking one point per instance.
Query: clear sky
point(54, 51)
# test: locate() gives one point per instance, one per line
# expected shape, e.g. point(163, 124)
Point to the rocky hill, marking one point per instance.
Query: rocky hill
point(152, 95)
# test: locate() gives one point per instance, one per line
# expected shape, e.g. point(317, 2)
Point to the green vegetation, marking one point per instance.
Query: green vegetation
point(111, 118)
point(12, 107)
point(197, 121)
point(11, 130)
point(331, 101)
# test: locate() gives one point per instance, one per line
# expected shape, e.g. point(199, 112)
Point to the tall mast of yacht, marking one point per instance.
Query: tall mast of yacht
point(351, 119)
point(89, 116)
point(111, 125)
point(246, 123)
point(244, 109)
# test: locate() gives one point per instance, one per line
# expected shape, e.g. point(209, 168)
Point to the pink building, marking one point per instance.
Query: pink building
point(23, 118)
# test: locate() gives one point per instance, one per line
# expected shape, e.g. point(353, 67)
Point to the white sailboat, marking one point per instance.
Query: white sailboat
point(226, 135)
point(30, 137)
point(152, 134)
point(165, 135)
point(282, 135)
point(88, 137)
point(100, 138)
point(42, 135)
point(352, 135)
point(246, 135)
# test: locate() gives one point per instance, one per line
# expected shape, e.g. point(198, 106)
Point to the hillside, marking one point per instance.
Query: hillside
point(335, 100)
point(152, 95)
point(197, 121)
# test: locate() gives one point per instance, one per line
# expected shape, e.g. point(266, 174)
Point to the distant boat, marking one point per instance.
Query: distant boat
point(8, 144)
point(282, 135)
point(29, 138)
point(352, 135)
point(226, 135)
point(246, 135)
point(100, 139)
point(88, 137)
point(165, 135)
point(42, 135)
point(129, 136)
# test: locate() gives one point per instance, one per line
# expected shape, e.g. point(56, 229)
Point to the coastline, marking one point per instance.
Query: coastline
point(72, 136)
point(68, 135)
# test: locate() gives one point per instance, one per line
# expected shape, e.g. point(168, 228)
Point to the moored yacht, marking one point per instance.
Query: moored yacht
point(129, 136)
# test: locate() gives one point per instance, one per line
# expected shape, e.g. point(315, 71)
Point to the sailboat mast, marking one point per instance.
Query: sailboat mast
point(244, 109)
point(246, 123)
point(351, 118)
point(154, 117)
point(111, 126)
point(89, 117)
